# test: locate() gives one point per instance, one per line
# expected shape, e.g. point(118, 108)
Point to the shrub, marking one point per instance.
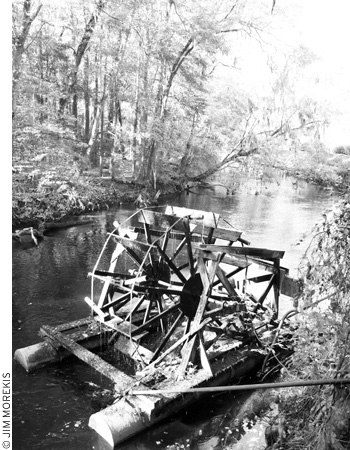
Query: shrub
point(323, 339)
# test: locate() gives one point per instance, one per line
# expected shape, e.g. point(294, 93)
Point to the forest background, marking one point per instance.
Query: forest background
point(162, 94)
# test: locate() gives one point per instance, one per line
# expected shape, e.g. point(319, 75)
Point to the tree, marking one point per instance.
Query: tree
point(70, 82)
point(19, 40)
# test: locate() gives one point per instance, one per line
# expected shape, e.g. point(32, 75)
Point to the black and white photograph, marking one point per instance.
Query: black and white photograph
point(180, 220)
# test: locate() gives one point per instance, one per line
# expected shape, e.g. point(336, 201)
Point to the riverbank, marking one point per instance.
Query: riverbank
point(52, 178)
point(33, 204)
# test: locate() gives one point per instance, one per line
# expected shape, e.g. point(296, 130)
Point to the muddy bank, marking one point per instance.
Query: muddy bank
point(32, 207)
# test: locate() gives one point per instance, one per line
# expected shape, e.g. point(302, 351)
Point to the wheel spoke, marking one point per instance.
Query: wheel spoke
point(155, 318)
point(167, 336)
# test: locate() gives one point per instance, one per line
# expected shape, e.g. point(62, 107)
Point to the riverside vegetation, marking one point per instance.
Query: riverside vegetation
point(154, 92)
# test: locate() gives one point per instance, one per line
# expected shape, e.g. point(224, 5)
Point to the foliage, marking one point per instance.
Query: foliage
point(323, 339)
point(164, 86)
point(53, 184)
point(149, 79)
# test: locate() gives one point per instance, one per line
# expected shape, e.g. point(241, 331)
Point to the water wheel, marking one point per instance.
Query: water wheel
point(170, 288)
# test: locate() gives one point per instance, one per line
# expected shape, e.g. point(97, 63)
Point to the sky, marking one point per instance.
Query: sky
point(321, 26)
point(325, 28)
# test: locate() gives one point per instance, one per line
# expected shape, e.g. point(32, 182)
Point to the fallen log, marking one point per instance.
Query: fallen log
point(49, 226)
point(33, 235)
point(28, 235)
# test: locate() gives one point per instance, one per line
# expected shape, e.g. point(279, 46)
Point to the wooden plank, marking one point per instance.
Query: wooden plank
point(102, 315)
point(160, 221)
point(265, 293)
point(106, 369)
point(168, 335)
point(118, 301)
point(154, 319)
point(117, 252)
point(130, 244)
point(254, 252)
point(228, 275)
point(134, 350)
point(226, 234)
point(208, 219)
point(203, 356)
point(189, 246)
point(74, 324)
point(189, 334)
point(197, 235)
point(125, 328)
point(259, 279)
point(232, 260)
point(172, 266)
point(290, 286)
point(207, 277)
point(226, 283)
point(276, 285)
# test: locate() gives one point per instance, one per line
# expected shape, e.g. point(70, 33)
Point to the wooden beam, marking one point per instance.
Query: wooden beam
point(132, 349)
point(265, 293)
point(115, 256)
point(207, 277)
point(74, 324)
point(102, 315)
point(189, 334)
point(208, 219)
point(189, 245)
point(199, 234)
point(130, 244)
point(154, 319)
point(125, 328)
point(172, 266)
point(262, 253)
point(160, 221)
point(106, 369)
point(226, 283)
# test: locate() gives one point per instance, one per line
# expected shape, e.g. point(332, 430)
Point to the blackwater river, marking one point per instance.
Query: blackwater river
point(52, 406)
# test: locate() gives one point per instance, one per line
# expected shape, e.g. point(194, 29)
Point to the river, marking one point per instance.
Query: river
point(52, 405)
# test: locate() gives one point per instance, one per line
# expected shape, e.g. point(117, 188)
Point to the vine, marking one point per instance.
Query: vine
point(323, 339)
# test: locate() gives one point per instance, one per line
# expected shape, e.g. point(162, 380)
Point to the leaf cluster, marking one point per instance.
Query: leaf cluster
point(323, 339)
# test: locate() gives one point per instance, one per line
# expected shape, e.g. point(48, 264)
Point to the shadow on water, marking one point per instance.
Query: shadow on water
point(52, 405)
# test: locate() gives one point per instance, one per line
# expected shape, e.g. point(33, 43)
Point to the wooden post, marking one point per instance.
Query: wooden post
point(207, 280)
point(276, 285)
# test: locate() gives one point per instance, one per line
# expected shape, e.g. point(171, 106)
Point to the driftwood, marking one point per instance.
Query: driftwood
point(49, 226)
point(28, 235)
point(33, 235)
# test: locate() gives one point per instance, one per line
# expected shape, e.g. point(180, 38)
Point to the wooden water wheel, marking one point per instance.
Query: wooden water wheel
point(172, 287)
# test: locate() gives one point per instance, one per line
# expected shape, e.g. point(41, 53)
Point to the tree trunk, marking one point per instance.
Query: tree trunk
point(19, 48)
point(225, 162)
point(94, 132)
point(101, 139)
point(135, 143)
point(73, 75)
point(87, 100)
point(149, 171)
point(188, 156)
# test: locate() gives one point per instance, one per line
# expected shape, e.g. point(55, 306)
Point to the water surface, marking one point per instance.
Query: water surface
point(52, 405)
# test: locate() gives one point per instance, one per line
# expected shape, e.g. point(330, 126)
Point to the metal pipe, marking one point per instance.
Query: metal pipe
point(241, 387)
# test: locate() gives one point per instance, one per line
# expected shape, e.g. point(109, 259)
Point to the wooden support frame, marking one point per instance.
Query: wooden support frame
point(190, 228)
point(94, 361)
